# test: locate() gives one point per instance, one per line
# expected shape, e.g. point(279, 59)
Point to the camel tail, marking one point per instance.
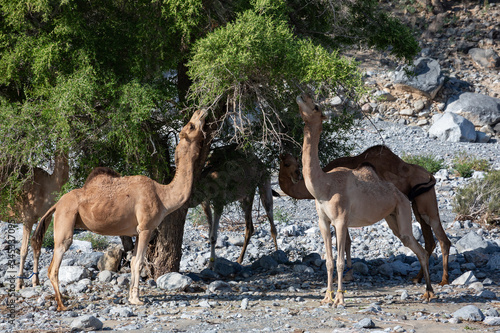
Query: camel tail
point(421, 188)
point(41, 228)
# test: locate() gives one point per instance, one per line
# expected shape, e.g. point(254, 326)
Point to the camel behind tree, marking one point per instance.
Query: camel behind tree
point(352, 198)
point(122, 206)
point(412, 180)
point(38, 195)
point(231, 175)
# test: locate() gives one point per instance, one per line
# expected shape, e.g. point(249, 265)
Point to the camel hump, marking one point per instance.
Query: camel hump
point(101, 171)
point(366, 165)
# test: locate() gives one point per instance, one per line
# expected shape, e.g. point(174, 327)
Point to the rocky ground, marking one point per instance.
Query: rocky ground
point(282, 291)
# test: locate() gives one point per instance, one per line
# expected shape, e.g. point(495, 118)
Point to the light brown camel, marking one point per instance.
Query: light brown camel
point(352, 198)
point(231, 175)
point(122, 206)
point(38, 195)
point(413, 180)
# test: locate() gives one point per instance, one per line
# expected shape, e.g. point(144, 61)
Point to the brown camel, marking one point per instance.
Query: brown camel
point(232, 176)
point(352, 198)
point(38, 195)
point(413, 180)
point(122, 206)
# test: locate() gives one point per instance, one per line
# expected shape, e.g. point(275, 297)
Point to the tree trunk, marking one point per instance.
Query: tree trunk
point(165, 250)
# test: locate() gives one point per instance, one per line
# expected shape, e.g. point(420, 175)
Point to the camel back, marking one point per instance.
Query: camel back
point(101, 171)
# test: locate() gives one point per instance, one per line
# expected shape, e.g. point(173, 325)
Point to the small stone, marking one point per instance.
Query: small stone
point(365, 323)
point(121, 312)
point(174, 282)
point(465, 279)
point(105, 276)
point(219, 286)
point(404, 295)
point(244, 304)
point(492, 321)
point(469, 313)
point(86, 322)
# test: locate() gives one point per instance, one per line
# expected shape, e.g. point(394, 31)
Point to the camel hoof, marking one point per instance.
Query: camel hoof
point(444, 282)
point(428, 295)
point(61, 308)
point(136, 301)
point(326, 300)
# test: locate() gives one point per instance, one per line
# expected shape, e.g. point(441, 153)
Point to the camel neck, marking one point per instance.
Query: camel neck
point(178, 191)
point(297, 190)
point(312, 172)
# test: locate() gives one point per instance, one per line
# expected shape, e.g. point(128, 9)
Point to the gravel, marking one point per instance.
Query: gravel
point(281, 291)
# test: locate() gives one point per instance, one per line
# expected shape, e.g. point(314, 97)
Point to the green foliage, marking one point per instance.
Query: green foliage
point(430, 162)
point(197, 216)
point(465, 165)
point(280, 215)
point(480, 199)
point(48, 239)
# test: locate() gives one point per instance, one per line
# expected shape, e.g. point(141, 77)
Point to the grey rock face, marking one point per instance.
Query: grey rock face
point(480, 109)
point(452, 127)
point(427, 78)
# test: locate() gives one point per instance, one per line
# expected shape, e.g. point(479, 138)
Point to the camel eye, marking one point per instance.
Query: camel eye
point(191, 127)
point(287, 165)
point(316, 108)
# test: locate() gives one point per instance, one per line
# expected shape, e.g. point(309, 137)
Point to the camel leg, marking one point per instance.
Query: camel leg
point(341, 233)
point(400, 224)
point(24, 253)
point(349, 273)
point(430, 243)
point(63, 237)
point(324, 227)
point(426, 204)
point(246, 205)
point(141, 244)
point(213, 228)
point(266, 197)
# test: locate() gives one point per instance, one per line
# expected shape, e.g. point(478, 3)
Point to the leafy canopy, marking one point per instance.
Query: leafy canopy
point(106, 80)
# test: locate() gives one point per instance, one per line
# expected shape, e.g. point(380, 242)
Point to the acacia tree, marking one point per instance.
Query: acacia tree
point(111, 81)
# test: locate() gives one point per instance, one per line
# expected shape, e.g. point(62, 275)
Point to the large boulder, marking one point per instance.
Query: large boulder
point(425, 77)
point(480, 109)
point(452, 127)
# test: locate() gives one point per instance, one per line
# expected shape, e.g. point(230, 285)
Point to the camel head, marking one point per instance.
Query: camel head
point(308, 110)
point(191, 137)
point(289, 168)
point(193, 131)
